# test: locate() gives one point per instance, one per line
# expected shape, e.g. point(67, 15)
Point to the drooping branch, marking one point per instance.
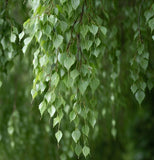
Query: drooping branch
point(72, 28)
point(139, 15)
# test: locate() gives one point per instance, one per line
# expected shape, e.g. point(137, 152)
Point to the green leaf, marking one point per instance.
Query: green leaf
point(10, 130)
point(42, 107)
point(51, 111)
point(35, 63)
point(0, 83)
point(151, 24)
point(142, 85)
point(27, 41)
point(72, 116)
point(61, 58)
point(59, 135)
point(84, 112)
point(63, 26)
point(62, 1)
point(140, 49)
point(88, 44)
point(114, 132)
point(43, 60)
point(75, 3)
point(77, 108)
point(52, 19)
point(56, 121)
point(148, 14)
point(76, 135)
point(54, 79)
point(33, 93)
point(50, 97)
point(133, 88)
point(134, 76)
point(60, 114)
point(13, 37)
point(92, 121)
point(21, 35)
point(69, 61)
point(96, 52)
point(42, 86)
point(86, 70)
point(97, 42)
point(146, 55)
point(94, 84)
point(78, 149)
point(144, 63)
point(84, 30)
point(103, 30)
point(48, 29)
point(15, 30)
point(140, 95)
point(83, 86)
point(86, 151)
point(76, 121)
point(74, 74)
point(24, 49)
point(38, 35)
point(85, 130)
point(150, 84)
point(113, 122)
point(93, 29)
point(68, 81)
point(58, 41)
point(63, 156)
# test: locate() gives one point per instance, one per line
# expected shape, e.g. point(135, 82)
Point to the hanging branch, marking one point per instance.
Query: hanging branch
point(72, 28)
point(82, 12)
point(139, 15)
point(79, 50)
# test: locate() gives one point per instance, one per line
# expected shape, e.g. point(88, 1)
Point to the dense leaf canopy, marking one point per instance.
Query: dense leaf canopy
point(76, 79)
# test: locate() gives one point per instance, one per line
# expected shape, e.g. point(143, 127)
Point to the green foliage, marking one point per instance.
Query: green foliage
point(86, 59)
point(86, 151)
point(58, 135)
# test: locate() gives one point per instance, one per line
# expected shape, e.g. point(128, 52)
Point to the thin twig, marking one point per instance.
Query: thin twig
point(82, 12)
point(79, 50)
point(139, 15)
point(72, 28)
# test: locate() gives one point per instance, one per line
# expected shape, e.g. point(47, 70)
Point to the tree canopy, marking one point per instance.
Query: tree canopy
point(76, 79)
